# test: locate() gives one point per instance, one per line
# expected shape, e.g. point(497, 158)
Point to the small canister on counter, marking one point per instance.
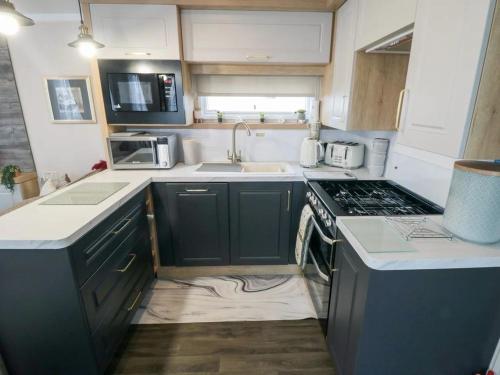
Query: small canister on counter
point(473, 208)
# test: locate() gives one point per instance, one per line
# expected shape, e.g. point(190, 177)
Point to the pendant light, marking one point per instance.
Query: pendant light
point(85, 43)
point(11, 19)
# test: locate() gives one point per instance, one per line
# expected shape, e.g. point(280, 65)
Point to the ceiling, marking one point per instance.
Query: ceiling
point(46, 6)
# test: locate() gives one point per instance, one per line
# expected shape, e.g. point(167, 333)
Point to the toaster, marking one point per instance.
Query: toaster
point(345, 154)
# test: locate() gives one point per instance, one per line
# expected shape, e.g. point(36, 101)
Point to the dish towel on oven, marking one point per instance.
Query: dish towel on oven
point(303, 235)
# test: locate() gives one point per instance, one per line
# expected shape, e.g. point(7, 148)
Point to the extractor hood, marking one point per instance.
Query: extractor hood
point(398, 43)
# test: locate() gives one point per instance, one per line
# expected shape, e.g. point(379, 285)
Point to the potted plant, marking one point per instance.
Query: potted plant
point(220, 116)
point(301, 115)
point(8, 174)
point(262, 117)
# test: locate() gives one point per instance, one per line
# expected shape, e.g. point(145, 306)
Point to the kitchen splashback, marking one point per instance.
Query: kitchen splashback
point(263, 144)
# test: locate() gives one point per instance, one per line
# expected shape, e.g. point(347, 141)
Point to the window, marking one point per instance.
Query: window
point(238, 96)
point(249, 107)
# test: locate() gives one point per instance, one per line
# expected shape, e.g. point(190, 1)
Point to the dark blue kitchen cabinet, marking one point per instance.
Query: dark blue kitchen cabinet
point(435, 321)
point(199, 222)
point(260, 222)
point(202, 224)
point(65, 311)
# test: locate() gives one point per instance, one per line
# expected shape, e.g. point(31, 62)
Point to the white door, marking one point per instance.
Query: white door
point(446, 59)
point(343, 64)
point(379, 18)
point(256, 36)
point(136, 31)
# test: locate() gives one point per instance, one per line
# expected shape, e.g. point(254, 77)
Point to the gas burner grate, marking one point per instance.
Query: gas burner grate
point(375, 198)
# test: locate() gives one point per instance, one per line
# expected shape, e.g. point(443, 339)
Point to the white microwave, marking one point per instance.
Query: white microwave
point(142, 151)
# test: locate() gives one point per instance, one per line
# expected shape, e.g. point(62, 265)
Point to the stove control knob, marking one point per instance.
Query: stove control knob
point(314, 201)
point(328, 223)
point(308, 195)
point(323, 215)
point(321, 212)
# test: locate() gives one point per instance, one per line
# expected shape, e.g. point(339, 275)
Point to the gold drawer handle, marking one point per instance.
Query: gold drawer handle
point(135, 302)
point(397, 125)
point(124, 269)
point(127, 222)
point(196, 190)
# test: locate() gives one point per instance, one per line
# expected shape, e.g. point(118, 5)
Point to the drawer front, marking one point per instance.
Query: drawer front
point(106, 290)
point(109, 334)
point(95, 247)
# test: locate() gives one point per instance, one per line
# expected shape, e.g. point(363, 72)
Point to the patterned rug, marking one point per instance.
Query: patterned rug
point(226, 298)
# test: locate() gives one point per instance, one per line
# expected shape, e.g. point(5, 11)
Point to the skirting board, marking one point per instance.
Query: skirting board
point(189, 272)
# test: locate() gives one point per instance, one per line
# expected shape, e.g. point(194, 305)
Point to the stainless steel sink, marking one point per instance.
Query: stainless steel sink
point(245, 168)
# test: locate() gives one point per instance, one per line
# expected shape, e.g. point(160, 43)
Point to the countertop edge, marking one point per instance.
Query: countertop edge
point(414, 264)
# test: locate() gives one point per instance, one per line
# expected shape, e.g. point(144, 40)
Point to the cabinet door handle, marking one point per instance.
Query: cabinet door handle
point(122, 226)
point(258, 57)
point(124, 269)
point(131, 307)
point(196, 190)
point(398, 113)
point(335, 269)
point(289, 201)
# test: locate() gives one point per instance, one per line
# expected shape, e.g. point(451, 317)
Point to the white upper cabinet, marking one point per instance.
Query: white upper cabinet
point(256, 36)
point(378, 19)
point(337, 105)
point(136, 31)
point(447, 55)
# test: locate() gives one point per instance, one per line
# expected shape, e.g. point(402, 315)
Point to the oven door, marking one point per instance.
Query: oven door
point(133, 152)
point(134, 92)
point(317, 268)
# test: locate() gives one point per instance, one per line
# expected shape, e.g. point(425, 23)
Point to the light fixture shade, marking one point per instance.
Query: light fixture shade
point(85, 43)
point(85, 39)
point(7, 8)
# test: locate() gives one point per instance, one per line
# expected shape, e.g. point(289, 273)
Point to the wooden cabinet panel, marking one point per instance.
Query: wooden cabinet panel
point(198, 215)
point(380, 18)
point(448, 49)
point(256, 36)
point(136, 31)
point(260, 222)
point(361, 90)
point(484, 135)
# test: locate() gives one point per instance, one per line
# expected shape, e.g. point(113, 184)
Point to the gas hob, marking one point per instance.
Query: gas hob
point(371, 198)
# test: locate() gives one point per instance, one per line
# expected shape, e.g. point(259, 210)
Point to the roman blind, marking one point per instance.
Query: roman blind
point(239, 85)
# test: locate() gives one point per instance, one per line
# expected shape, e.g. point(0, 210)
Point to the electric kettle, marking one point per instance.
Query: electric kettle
point(311, 152)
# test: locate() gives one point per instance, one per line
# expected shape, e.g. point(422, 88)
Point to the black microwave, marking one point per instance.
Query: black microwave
point(142, 91)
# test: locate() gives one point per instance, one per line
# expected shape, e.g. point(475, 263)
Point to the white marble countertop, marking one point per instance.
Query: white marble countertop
point(435, 253)
point(36, 226)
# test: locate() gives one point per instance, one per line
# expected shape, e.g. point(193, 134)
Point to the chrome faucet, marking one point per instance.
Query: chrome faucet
point(233, 156)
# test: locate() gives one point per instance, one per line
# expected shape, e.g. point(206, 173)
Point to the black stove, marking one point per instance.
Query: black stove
point(371, 198)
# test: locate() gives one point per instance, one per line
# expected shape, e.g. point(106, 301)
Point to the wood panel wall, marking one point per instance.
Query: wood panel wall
point(484, 136)
point(14, 143)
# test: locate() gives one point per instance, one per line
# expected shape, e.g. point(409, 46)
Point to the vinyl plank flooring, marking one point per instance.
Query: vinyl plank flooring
point(223, 348)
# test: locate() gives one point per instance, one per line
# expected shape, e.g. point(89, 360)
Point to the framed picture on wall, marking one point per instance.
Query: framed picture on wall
point(70, 100)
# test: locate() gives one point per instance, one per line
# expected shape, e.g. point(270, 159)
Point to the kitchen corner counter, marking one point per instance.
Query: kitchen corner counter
point(36, 226)
point(429, 253)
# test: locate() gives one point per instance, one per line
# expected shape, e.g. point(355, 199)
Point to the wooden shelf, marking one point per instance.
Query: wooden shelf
point(214, 125)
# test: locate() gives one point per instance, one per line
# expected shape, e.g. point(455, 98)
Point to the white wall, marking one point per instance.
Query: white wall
point(41, 51)
point(423, 172)
point(265, 144)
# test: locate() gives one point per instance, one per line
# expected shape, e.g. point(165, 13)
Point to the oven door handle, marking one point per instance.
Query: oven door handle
point(323, 236)
point(320, 273)
point(154, 150)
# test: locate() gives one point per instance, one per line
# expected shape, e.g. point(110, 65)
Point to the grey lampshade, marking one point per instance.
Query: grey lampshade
point(6, 7)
